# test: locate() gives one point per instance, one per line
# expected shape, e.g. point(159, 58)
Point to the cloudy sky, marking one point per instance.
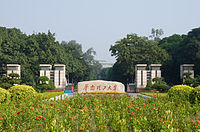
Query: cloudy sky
point(100, 23)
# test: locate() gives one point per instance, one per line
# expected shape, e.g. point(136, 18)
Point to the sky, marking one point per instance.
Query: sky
point(100, 23)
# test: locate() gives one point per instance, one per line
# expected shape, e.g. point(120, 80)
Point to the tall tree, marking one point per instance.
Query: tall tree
point(189, 50)
point(171, 69)
point(156, 34)
point(132, 50)
point(95, 66)
point(31, 50)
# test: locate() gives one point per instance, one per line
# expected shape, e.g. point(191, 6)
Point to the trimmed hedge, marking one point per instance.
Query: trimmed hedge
point(4, 95)
point(162, 87)
point(195, 95)
point(21, 91)
point(180, 91)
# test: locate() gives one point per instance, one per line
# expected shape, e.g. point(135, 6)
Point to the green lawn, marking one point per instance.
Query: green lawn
point(47, 95)
point(152, 94)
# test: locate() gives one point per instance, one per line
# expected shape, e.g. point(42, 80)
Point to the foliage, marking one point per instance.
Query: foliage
point(187, 75)
point(4, 96)
point(149, 85)
point(183, 49)
point(175, 50)
point(180, 91)
point(106, 74)
point(156, 34)
point(48, 95)
point(195, 95)
point(190, 82)
point(158, 84)
point(51, 84)
point(190, 49)
point(43, 79)
point(42, 48)
point(161, 87)
point(132, 50)
point(153, 94)
point(193, 82)
point(42, 87)
point(44, 83)
point(20, 92)
point(158, 80)
point(10, 80)
point(13, 75)
point(171, 68)
point(99, 113)
point(95, 66)
point(5, 85)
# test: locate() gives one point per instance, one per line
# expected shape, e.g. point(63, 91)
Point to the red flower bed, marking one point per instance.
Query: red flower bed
point(54, 90)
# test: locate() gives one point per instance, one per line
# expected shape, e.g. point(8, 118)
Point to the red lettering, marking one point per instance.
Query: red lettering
point(109, 88)
point(115, 87)
point(92, 87)
point(86, 86)
point(104, 87)
point(99, 87)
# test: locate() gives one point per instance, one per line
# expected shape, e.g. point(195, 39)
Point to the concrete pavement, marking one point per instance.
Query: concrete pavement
point(68, 95)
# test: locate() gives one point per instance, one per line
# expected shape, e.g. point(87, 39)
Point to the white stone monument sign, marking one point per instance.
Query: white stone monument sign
point(99, 86)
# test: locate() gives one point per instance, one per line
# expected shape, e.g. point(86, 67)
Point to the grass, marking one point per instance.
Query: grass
point(47, 95)
point(152, 94)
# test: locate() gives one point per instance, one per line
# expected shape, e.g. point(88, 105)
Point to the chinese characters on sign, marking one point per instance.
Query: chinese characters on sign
point(100, 86)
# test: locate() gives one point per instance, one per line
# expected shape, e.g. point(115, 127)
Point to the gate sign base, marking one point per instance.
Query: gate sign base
point(100, 86)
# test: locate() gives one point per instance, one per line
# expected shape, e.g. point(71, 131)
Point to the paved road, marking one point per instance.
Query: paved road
point(63, 96)
point(68, 95)
point(138, 95)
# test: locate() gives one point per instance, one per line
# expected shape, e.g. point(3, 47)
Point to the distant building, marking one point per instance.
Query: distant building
point(142, 74)
point(14, 68)
point(57, 75)
point(106, 64)
point(185, 68)
point(45, 70)
point(155, 71)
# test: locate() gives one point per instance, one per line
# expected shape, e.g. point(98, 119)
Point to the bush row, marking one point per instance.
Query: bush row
point(16, 93)
point(185, 93)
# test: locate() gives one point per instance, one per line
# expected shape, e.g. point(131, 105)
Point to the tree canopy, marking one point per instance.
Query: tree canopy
point(133, 50)
point(31, 50)
point(170, 51)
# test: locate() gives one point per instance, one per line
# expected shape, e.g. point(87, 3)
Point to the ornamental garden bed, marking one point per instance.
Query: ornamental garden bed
point(100, 113)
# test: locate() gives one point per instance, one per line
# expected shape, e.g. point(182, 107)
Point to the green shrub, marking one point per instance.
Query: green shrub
point(21, 91)
point(180, 91)
point(6, 85)
point(4, 95)
point(43, 87)
point(43, 79)
point(51, 84)
point(149, 85)
point(195, 95)
point(162, 87)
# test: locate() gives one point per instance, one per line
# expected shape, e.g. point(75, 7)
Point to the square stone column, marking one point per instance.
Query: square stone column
point(140, 75)
point(185, 68)
point(45, 70)
point(155, 71)
point(59, 76)
point(14, 68)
